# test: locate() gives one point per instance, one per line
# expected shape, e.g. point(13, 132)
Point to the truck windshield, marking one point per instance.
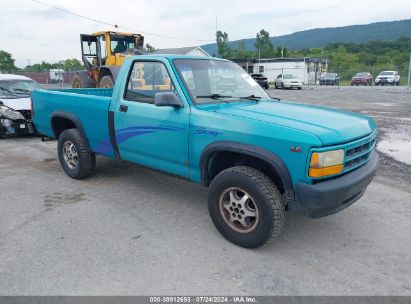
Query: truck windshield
point(207, 78)
point(120, 44)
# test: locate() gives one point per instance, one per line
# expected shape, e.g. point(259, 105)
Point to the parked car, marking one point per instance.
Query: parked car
point(259, 156)
point(388, 77)
point(15, 109)
point(261, 80)
point(363, 78)
point(288, 81)
point(330, 79)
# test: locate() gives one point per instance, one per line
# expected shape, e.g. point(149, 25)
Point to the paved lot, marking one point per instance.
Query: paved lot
point(129, 230)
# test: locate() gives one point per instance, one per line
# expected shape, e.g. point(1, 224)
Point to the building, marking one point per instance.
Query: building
point(309, 69)
point(191, 50)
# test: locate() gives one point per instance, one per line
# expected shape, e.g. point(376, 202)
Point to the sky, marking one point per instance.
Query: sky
point(32, 32)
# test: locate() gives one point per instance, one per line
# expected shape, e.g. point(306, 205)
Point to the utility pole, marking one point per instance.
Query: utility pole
point(409, 74)
point(216, 39)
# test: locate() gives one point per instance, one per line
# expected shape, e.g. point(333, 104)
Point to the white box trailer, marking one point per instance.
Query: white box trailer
point(309, 69)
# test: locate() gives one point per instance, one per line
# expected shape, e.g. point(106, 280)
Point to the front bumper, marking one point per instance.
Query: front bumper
point(384, 81)
point(292, 85)
point(16, 127)
point(332, 196)
point(359, 81)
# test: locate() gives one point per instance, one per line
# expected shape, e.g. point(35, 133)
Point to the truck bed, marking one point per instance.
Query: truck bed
point(89, 106)
point(89, 91)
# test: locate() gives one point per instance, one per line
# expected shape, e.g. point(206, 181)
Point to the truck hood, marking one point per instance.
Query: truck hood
point(17, 103)
point(330, 126)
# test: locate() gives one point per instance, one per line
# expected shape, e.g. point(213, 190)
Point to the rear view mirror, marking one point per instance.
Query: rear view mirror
point(167, 99)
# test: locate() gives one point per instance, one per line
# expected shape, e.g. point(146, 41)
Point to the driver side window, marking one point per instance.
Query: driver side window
point(145, 80)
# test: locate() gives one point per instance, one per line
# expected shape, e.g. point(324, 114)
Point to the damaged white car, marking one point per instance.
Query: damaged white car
point(15, 109)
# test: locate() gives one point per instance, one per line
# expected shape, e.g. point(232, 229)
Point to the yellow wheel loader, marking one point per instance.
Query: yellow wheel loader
point(103, 53)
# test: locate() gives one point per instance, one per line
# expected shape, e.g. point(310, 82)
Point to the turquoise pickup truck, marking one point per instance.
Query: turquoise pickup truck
point(207, 120)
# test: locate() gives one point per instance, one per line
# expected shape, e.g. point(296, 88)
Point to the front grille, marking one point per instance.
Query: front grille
point(26, 114)
point(359, 152)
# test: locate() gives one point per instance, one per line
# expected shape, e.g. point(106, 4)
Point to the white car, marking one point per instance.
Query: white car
point(15, 109)
point(288, 81)
point(388, 77)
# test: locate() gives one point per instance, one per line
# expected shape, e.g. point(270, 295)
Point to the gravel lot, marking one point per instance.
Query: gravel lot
point(129, 230)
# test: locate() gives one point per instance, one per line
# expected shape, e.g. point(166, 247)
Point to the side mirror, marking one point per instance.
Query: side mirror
point(167, 99)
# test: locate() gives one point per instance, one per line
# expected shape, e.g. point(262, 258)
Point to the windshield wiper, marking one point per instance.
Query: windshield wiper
point(251, 97)
point(214, 96)
point(22, 91)
point(7, 90)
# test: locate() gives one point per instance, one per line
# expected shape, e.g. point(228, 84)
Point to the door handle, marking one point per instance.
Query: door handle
point(123, 108)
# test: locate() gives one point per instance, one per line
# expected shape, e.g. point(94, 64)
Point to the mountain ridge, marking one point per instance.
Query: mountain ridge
point(320, 37)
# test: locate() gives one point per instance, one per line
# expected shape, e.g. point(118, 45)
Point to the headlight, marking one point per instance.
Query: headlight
point(326, 163)
point(10, 113)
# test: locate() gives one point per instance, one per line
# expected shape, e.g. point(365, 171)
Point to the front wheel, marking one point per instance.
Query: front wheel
point(246, 206)
point(75, 157)
point(106, 82)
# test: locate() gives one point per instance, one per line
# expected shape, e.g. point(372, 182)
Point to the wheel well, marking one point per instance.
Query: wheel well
point(221, 160)
point(60, 124)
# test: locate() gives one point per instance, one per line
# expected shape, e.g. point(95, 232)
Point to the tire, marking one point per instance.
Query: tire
point(267, 86)
point(275, 86)
point(80, 166)
point(264, 202)
point(82, 82)
point(300, 88)
point(77, 84)
point(106, 82)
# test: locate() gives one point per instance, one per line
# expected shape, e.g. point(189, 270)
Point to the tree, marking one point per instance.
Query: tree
point(150, 48)
point(281, 52)
point(263, 45)
point(240, 52)
point(71, 65)
point(6, 62)
point(224, 50)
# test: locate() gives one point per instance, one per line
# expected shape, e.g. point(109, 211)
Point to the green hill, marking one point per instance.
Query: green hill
point(320, 37)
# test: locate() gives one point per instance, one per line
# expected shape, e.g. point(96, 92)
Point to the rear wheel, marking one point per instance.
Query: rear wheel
point(77, 84)
point(75, 157)
point(107, 82)
point(245, 206)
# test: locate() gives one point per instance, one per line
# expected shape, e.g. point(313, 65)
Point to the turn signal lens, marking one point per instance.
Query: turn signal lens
point(326, 163)
point(320, 172)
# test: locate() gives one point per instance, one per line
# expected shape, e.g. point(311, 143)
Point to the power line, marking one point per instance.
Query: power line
point(116, 25)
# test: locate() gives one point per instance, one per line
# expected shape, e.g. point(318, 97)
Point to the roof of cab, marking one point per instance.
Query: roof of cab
point(12, 77)
point(176, 56)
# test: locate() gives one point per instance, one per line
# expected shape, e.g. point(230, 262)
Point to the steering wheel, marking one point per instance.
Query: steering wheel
point(226, 90)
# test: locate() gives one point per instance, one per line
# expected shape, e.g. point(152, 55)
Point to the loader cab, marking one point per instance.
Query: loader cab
point(109, 48)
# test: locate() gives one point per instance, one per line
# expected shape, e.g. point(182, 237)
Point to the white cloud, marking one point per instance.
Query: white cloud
point(34, 32)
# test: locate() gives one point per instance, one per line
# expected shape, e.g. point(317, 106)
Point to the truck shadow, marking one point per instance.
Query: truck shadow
point(174, 195)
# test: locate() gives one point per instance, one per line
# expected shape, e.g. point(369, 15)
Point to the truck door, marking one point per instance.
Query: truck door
point(145, 133)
